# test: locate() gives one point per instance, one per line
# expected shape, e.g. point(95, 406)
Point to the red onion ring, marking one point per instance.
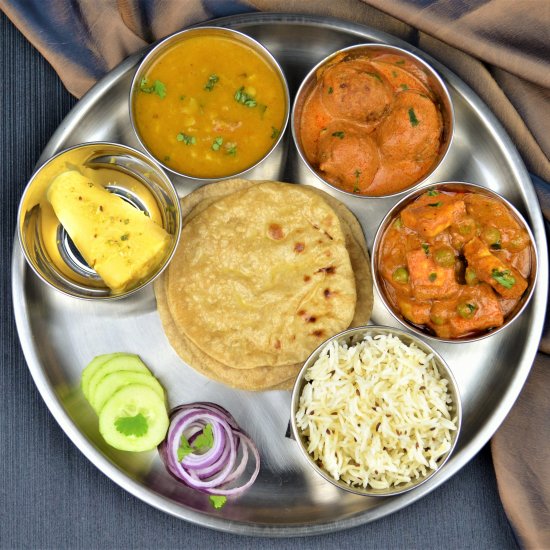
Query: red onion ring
point(213, 470)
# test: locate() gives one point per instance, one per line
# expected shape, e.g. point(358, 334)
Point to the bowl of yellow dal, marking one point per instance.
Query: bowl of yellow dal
point(209, 103)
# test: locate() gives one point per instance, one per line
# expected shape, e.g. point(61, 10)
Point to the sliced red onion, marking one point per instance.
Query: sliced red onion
point(213, 470)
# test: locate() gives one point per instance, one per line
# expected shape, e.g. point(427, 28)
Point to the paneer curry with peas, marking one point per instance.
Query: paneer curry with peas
point(455, 263)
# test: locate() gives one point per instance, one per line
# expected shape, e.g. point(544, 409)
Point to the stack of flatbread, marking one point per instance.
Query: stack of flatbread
point(264, 273)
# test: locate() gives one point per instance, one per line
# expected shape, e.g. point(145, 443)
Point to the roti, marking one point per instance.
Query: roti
point(260, 374)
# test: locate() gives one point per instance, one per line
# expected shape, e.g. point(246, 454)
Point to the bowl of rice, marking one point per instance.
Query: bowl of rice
point(376, 411)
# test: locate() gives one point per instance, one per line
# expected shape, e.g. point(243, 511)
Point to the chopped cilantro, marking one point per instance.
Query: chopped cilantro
point(426, 248)
point(412, 117)
point(217, 143)
point(158, 87)
point(330, 90)
point(184, 449)
point(435, 204)
point(432, 193)
point(231, 149)
point(394, 74)
point(125, 237)
point(403, 86)
point(339, 135)
point(432, 277)
point(400, 62)
point(375, 75)
point(213, 79)
point(205, 440)
point(132, 425)
point(217, 501)
point(126, 221)
point(243, 98)
point(496, 246)
point(356, 189)
point(505, 278)
point(188, 140)
point(274, 132)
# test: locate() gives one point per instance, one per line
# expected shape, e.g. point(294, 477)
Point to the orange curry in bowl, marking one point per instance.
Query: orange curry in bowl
point(371, 125)
point(455, 263)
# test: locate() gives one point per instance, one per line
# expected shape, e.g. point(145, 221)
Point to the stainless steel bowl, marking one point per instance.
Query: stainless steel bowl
point(456, 187)
point(436, 84)
point(121, 170)
point(352, 337)
point(267, 167)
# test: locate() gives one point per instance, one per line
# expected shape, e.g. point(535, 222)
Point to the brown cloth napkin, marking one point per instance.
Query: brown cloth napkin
point(500, 48)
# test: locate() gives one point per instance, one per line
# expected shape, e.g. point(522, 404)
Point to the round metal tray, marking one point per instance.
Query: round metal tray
point(60, 335)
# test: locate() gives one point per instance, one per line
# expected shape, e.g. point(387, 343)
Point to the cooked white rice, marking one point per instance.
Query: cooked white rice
point(376, 414)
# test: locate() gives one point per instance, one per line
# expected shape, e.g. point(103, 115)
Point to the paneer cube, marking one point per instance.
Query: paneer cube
point(430, 215)
point(506, 280)
point(485, 307)
point(428, 279)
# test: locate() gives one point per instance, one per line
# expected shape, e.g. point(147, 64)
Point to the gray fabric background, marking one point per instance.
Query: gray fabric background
point(51, 496)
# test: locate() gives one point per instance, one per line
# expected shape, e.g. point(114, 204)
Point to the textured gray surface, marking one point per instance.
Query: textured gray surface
point(52, 497)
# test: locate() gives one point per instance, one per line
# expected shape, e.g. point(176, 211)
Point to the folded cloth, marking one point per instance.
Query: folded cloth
point(501, 48)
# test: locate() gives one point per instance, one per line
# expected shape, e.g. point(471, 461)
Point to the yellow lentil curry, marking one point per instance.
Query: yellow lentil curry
point(210, 106)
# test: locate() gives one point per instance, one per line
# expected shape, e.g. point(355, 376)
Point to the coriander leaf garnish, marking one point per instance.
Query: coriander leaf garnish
point(403, 86)
point(412, 117)
point(435, 204)
point(339, 135)
point(432, 277)
point(217, 143)
point(496, 246)
point(274, 132)
point(400, 62)
point(188, 140)
point(330, 90)
point(132, 425)
point(432, 193)
point(231, 149)
point(213, 79)
point(505, 278)
point(158, 87)
point(217, 501)
point(426, 248)
point(124, 237)
point(243, 98)
point(205, 440)
point(375, 75)
point(184, 449)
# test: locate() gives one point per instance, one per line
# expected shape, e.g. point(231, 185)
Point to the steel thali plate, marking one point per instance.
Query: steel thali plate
point(60, 335)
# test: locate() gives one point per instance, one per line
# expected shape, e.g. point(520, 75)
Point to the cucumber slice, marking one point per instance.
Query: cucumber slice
point(134, 419)
point(91, 369)
point(111, 383)
point(122, 362)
